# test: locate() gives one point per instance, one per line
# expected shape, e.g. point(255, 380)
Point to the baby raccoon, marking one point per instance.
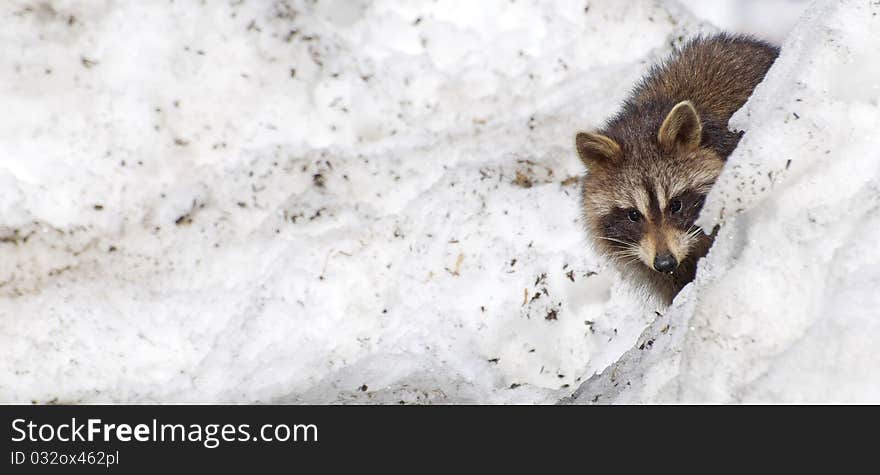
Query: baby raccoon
point(651, 166)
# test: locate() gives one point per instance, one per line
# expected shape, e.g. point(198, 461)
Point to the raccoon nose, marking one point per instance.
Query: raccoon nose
point(665, 263)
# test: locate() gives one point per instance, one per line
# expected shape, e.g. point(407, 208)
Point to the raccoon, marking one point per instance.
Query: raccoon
point(650, 167)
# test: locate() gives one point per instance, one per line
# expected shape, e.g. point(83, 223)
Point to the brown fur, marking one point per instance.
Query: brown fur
point(658, 157)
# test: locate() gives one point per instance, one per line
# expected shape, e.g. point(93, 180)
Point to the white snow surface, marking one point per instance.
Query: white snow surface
point(376, 202)
point(770, 20)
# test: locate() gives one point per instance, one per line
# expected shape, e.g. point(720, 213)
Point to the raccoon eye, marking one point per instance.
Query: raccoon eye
point(634, 215)
point(675, 206)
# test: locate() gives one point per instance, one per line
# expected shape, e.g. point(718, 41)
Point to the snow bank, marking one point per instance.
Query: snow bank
point(376, 201)
point(340, 201)
point(785, 308)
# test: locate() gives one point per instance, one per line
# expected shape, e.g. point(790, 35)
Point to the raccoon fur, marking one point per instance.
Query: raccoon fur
point(651, 166)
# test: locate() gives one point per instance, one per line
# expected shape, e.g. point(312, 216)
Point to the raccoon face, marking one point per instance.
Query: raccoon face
point(641, 199)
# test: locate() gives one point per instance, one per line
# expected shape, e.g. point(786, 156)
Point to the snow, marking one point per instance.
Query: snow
point(376, 202)
point(329, 202)
point(771, 20)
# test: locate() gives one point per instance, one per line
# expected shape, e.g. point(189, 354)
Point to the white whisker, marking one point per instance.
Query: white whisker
point(629, 244)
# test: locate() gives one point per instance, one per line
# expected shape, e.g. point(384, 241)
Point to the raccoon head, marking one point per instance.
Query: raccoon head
point(645, 189)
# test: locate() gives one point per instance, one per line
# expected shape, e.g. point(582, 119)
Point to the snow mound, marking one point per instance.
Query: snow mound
point(376, 202)
point(785, 307)
point(340, 201)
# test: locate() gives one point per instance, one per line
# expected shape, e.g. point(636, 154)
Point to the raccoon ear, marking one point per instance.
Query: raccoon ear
point(596, 148)
point(681, 129)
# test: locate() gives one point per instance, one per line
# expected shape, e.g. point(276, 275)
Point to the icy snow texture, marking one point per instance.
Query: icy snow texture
point(353, 201)
point(308, 201)
point(786, 307)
